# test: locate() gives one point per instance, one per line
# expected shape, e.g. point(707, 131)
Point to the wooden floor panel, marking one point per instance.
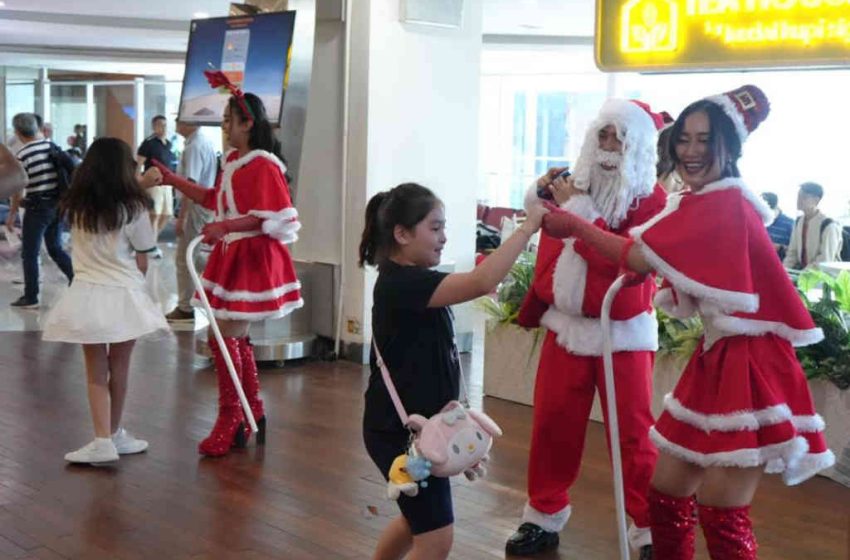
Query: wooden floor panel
point(310, 494)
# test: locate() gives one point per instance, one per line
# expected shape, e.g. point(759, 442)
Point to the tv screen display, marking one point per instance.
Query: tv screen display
point(253, 51)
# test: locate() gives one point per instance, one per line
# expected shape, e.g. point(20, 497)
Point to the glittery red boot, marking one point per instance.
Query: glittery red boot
point(251, 384)
point(229, 429)
point(672, 522)
point(728, 532)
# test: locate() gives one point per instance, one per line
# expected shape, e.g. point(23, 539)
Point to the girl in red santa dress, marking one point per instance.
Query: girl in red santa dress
point(249, 275)
point(742, 406)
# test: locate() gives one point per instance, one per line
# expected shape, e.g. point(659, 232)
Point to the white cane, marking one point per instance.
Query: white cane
point(613, 424)
point(190, 262)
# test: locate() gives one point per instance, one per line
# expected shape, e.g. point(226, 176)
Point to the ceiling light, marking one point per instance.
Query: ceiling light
point(2, 4)
point(200, 15)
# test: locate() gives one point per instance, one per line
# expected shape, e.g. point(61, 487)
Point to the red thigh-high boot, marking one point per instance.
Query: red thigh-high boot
point(728, 532)
point(251, 384)
point(229, 429)
point(673, 521)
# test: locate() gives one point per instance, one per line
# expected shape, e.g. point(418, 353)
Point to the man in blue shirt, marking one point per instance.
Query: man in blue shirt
point(780, 229)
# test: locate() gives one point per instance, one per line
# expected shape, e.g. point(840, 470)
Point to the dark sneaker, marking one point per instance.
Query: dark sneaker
point(530, 539)
point(180, 316)
point(24, 303)
point(645, 552)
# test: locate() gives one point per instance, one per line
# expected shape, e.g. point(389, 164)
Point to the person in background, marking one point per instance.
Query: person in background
point(781, 227)
point(815, 238)
point(41, 198)
point(157, 146)
point(198, 164)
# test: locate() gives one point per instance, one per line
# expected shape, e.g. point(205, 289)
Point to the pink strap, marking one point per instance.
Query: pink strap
point(399, 408)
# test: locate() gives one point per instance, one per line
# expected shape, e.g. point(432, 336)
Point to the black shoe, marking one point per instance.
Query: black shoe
point(530, 539)
point(645, 552)
point(24, 303)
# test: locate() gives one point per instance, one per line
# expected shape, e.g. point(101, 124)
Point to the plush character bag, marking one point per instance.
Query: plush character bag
point(453, 441)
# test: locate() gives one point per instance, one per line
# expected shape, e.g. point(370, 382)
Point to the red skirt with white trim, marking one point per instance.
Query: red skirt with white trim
point(251, 279)
point(744, 403)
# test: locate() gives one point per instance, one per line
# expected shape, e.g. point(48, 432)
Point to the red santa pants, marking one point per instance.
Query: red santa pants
point(563, 397)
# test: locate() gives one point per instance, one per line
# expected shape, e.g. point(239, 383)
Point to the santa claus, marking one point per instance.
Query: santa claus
point(613, 186)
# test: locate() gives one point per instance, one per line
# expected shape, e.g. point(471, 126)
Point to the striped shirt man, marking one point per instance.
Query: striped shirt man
point(43, 182)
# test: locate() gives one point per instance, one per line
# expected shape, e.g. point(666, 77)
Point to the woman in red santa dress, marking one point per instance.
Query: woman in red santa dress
point(742, 406)
point(249, 275)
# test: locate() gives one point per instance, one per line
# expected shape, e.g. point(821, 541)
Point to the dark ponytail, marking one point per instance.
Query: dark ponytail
point(406, 205)
point(262, 135)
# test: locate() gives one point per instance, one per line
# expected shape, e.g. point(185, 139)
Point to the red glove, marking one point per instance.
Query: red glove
point(214, 231)
point(195, 192)
point(559, 223)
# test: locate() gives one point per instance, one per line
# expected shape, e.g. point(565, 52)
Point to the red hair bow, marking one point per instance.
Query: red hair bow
point(218, 79)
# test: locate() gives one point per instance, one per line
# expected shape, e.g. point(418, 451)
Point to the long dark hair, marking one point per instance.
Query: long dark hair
point(262, 135)
point(104, 193)
point(405, 205)
point(723, 141)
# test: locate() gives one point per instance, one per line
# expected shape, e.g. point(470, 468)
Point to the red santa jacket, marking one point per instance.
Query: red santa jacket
point(571, 279)
point(717, 260)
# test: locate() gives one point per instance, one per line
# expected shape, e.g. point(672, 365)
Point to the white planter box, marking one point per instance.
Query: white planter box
point(510, 366)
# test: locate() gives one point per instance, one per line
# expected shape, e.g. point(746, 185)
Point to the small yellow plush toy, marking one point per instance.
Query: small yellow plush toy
point(406, 472)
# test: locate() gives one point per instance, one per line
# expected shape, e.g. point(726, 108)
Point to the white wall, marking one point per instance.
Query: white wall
point(413, 116)
point(423, 117)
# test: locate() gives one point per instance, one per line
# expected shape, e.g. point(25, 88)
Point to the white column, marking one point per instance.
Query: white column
point(139, 103)
point(91, 117)
point(43, 95)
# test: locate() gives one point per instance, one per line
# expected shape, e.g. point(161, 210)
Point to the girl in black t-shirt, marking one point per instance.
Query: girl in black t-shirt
point(412, 326)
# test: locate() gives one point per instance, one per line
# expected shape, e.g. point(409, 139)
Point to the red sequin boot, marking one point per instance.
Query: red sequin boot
point(251, 384)
point(229, 429)
point(728, 532)
point(672, 523)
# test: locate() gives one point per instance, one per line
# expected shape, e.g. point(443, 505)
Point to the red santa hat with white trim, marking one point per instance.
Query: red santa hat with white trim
point(747, 106)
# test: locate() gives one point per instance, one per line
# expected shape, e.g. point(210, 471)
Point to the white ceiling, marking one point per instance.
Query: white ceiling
point(150, 36)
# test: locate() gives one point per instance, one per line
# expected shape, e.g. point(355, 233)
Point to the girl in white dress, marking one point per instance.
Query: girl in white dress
point(106, 308)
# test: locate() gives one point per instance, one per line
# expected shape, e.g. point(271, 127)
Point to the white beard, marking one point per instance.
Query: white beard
point(608, 188)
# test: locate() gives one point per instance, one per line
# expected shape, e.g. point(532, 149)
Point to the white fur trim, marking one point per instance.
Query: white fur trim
point(809, 424)
point(582, 205)
point(639, 536)
point(750, 420)
point(733, 113)
point(756, 201)
point(226, 190)
point(245, 295)
point(569, 279)
point(282, 225)
point(583, 335)
point(553, 522)
point(807, 466)
point(685, 308)
point(727, 300)
point(283, 311)
point(755, 327)
point(790, 450)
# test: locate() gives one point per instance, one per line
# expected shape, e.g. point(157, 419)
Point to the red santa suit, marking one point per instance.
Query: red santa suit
point(250, 274)
point(570, 281)
point(743, 399)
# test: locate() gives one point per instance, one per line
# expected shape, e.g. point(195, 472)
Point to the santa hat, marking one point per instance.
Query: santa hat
point(668, 120)
point(747, 106)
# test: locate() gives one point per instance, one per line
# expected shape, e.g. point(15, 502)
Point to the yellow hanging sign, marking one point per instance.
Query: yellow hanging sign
point(683, 35)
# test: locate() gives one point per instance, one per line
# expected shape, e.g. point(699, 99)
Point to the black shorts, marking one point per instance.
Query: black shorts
point(431, 508)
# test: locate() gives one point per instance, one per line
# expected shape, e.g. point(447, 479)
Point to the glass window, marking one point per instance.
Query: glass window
point(20, 98)
point(67, 111)
point(115, 111)
point(531, 117)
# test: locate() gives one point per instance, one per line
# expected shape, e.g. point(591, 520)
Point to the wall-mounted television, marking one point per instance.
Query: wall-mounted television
point(253, 51)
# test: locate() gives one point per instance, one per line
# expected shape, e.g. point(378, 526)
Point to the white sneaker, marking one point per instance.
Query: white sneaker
point(126, 444)
point(101, 450)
